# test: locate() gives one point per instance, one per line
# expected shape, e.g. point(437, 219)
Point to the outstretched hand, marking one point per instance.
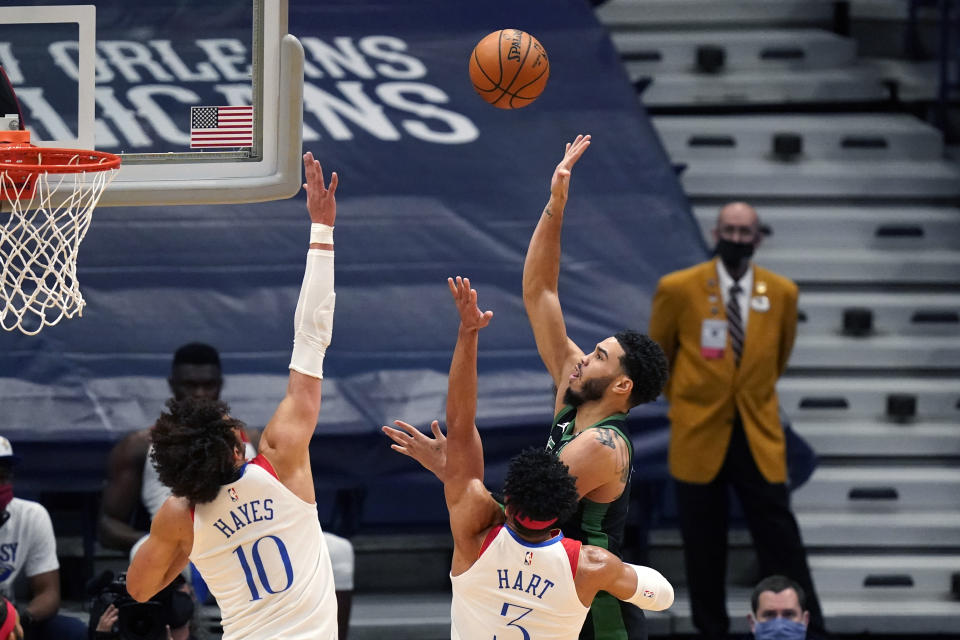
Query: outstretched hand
point(429, 452)
point(471, 318)
point(321, 200)
point(560, 183)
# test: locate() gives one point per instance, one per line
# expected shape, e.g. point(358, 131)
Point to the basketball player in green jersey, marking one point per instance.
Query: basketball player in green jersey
point(595, 391)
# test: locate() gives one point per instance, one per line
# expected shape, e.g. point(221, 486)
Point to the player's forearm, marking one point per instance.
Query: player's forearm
point(541, 268)
point(462, 385)
point(313, 319)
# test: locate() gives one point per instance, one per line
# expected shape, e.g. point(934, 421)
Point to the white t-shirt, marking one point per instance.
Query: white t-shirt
point(27, 543)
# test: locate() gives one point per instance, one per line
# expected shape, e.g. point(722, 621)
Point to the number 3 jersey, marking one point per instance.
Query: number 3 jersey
point(517, 590)
point(262, 554)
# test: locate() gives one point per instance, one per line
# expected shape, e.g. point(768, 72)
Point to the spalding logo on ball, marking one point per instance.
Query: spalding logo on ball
point(509, 68)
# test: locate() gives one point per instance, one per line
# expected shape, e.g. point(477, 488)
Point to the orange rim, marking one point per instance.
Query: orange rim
point(31, 159)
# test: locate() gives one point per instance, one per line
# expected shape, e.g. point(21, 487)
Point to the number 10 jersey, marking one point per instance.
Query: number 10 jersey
point(262, 554)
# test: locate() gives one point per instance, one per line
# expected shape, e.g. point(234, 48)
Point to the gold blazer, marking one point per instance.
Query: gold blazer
point(704, 393)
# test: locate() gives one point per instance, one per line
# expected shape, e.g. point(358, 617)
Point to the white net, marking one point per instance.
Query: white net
point(45, 216)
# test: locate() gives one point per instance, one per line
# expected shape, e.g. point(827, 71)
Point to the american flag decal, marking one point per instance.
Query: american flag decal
point(221, 127)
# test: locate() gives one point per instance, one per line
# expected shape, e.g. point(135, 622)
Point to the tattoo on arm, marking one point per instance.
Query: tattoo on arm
point(605, 437)
point(623, 464)
point(547, 212)
point(608, 438)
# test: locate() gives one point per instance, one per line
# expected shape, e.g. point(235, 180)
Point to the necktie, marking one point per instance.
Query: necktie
point(735, 322)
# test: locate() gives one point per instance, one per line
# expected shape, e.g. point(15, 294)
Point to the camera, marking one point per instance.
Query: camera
point(137, 620)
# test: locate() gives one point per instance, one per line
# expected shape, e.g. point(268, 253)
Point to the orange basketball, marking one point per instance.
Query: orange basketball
point(509, 68)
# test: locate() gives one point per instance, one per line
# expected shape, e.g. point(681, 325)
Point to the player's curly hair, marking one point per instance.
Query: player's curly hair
point(539, 486)
point(644, 363)
point(194, 445)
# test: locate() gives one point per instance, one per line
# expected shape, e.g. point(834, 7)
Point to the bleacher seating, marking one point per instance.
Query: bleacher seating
point(861, 207)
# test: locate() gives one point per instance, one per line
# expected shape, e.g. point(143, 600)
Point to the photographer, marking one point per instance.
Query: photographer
point(117, 616)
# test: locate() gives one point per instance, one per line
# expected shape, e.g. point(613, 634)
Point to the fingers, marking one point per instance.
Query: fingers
point(314, 173)
point(318, 175)
point(309, 166)
point(409, 429)
point(459, 286)
point(334, 181)
point(402, 450)
point(437, 433)
point(394, 434)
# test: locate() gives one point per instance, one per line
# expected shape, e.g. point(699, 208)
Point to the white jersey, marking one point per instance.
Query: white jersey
point(519, 589)
point(262, 554)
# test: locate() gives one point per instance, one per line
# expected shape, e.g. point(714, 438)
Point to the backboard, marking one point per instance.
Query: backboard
point(201, 98)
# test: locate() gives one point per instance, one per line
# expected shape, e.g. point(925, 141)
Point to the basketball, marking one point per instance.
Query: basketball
point(509, 68)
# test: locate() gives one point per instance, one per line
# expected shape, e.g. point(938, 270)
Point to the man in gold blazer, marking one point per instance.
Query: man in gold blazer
point(727, 327)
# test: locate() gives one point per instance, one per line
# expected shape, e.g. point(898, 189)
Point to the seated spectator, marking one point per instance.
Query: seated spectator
point(779, 610)
point(132, 481)
point(10, 628)
point(28, 546)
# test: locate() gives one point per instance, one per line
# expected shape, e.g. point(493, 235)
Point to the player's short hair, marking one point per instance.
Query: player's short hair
point(196, 353)
point(540, 487)
point(644, 363)
point(194, 445)
point(776, 584)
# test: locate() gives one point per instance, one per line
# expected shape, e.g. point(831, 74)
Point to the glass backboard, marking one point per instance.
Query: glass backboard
point(201, 98)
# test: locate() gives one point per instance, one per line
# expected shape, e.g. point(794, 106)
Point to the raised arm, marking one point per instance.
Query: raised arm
point(464, 449)
point(286, 437)
point(472, 509)
point(541, 272)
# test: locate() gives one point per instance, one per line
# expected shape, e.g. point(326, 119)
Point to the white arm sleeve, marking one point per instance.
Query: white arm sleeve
point(313, 320)
point(654, 592)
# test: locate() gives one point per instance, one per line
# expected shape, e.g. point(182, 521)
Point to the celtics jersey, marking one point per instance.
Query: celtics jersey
point(601, 524)
point(596, 523)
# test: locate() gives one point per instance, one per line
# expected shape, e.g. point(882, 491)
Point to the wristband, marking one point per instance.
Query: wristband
point(321, 233)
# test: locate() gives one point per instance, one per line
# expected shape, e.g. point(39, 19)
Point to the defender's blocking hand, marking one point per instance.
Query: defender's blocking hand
point(321, 200)
point(429, 452)
point(471, 318)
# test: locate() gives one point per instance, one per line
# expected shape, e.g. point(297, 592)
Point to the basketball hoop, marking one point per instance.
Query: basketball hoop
point(50, 195)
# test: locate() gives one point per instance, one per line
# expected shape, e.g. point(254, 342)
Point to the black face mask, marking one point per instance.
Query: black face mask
point(734, 254)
